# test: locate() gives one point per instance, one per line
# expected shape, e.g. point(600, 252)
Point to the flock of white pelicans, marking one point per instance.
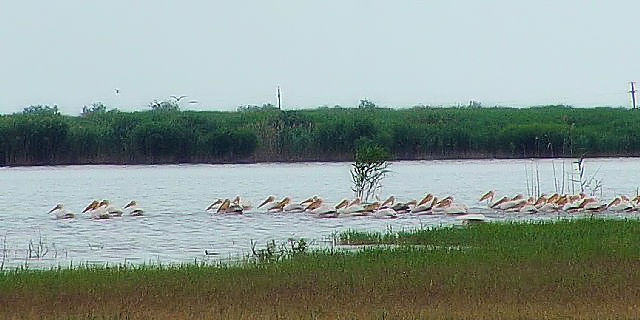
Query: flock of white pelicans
point(432, 205)
point(99, 210)
point(389, 208)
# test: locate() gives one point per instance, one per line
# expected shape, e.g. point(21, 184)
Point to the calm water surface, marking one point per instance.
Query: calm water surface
point(177, 229)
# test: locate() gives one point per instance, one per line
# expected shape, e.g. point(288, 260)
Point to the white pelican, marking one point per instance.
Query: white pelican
point(456, 209)
point(594, 206)
point(299, 207)
point(215, 205)
point(315, 204)
point(385, 213)
point(98, 210)
point(515, 201)
point(540, 202)
point(332, 212)
point(354, 208)
point(425, 208)
point(531, 205)
point(318, 208)
point(448, 206)
point(133, 209)
point(389, 202)
point(268, 203)
point(425, 200)
point(226, 207)
point(92, 206)
point(488, 196)
point(279, 207)
point(442, 205)
point(404, 207)
point(519, 205)
point(548, 207)
point(619, 204)
point(246, 205)
point(111, 210)
point(61, 213)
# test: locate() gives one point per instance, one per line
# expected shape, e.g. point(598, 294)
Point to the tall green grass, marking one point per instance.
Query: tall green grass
point(585, 269)
point(316, 134)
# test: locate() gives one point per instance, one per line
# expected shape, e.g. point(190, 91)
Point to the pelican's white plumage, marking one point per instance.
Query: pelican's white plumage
point(60, 213)
point(133, 209)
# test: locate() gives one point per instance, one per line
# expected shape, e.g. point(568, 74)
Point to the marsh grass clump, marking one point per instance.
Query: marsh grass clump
point(275, 252)
point(368, 170)
point(586, 269)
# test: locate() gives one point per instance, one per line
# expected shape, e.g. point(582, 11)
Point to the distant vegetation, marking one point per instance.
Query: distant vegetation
point(164, 134)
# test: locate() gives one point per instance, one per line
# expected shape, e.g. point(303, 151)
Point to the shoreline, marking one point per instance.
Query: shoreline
point(310, 161)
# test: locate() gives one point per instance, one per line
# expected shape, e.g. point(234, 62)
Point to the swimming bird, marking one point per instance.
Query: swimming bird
point(531, 205)
point(595, 206)
point(279, 207)
point(327, 212)
point(111, 210)
point(98, 210)
point(456, 209)
point(385, 213)
point(618, 204)
point(215, 205)
point(354, 208)
point(246, 205)
point(315, 204)
point(226, 207)
point(488, 197)
point(515, 201)
point(134, 210)
point(371, 208)
point(61, 213)
point(297, 207)
point(441, 205)
point(389, 202)
point(404, 207)
point(425, 208)
point(318, 208)
point(270, 201)
point(92, 206)
point(425, 200)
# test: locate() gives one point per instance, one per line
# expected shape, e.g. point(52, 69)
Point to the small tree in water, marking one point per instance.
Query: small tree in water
point(368, 170)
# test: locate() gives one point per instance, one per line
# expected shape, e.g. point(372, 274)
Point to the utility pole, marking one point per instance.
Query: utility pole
point(279, 99)
point(633, 95)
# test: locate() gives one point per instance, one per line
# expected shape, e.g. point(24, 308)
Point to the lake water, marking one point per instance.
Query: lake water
point(177, 229)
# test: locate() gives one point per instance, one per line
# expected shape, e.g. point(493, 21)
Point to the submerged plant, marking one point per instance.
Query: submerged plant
point(368, 170)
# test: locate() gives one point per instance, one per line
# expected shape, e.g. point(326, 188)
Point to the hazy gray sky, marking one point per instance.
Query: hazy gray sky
point(397, 53)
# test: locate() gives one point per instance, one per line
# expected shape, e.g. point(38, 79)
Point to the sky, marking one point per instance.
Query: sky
point(223, 54)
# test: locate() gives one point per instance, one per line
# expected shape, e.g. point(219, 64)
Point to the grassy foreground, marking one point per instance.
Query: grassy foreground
point(588, 269)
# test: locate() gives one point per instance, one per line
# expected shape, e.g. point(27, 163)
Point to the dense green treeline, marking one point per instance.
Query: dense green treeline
point(39, 136)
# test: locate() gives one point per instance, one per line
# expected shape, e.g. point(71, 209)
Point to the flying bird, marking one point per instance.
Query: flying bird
point(117, 91)
point(178, 98)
